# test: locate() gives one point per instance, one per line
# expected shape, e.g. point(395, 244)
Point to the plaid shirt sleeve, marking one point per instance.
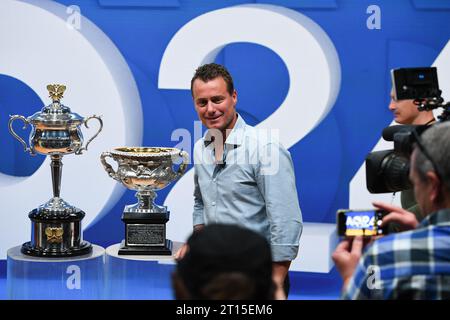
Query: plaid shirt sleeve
point(412, 264)
point(365, 283)
point(357, 288)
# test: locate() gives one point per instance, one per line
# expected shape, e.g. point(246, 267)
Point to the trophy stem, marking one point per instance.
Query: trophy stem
point(56, 167)
point(146, 199)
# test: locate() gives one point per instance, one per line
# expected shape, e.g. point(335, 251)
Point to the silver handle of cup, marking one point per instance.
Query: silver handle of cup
point(15, 135)
point(108, 168)
point(80, 151)
point(183, 166)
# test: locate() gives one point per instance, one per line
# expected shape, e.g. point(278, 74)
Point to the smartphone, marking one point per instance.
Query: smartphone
point(365, 223)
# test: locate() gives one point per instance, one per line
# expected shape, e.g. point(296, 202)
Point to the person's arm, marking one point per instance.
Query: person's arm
point(197, 215)
point(359, 269)
point(280, 270)
point(184, 248)
point(276, 182)
point(405, 219)
point(346, 258)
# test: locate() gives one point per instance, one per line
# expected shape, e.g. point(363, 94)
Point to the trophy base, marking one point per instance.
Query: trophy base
point(56, 231)
point(165, 250)
point(145, 234)
point(28, 249)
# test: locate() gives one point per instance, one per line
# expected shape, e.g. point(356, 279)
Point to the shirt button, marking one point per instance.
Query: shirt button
point(213, 204)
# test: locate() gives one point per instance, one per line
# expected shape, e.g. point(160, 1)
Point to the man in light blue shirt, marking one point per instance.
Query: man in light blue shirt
point(243, 175)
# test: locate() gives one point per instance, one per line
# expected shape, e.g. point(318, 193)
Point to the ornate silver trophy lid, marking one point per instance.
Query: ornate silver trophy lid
point(55, 113)
point(56, 128)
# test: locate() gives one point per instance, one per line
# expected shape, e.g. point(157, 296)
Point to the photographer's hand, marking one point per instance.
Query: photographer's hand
point(405, 219)
point(346, 257)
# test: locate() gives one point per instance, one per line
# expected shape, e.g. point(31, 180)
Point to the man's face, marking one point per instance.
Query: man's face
point(405, 111)
point(214, 105)
point(422, 188)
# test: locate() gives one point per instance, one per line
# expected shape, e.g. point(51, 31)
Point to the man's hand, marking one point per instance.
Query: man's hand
point(346, 257)
point(184, 248)
point(405, 219)
point(279, 273)
point(181, 252)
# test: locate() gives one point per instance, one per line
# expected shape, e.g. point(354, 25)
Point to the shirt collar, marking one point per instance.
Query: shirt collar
point(440, 217)
point(234, 138)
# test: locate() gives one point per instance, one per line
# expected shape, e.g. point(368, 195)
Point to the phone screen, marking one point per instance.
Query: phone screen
point(360, 222)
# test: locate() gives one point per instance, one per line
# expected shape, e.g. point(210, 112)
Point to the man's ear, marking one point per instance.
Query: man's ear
point(435, 186)
point(179, 288)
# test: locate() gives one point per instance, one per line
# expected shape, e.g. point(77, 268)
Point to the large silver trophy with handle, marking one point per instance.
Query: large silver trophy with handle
point(56, 225)
point(145, 170)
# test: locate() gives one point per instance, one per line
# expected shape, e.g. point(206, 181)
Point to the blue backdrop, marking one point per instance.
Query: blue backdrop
point(413, 33)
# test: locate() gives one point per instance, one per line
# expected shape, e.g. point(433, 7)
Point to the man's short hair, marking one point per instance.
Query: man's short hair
point(227, 262)
point(436, 142)
point(211, 71)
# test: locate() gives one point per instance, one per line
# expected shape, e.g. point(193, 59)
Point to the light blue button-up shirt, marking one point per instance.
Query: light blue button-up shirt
point(254, 187)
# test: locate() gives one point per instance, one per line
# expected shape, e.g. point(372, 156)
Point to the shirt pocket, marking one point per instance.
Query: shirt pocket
point(242, 181)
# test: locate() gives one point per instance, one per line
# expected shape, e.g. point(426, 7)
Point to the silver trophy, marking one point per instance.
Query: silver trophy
point(56, 225)
point(145, 170)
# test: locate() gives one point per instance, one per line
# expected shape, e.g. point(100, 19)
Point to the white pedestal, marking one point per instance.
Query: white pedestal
point(132, 277)
point(317, 244)
point(80, 277)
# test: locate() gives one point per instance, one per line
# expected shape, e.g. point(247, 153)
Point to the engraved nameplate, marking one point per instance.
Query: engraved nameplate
point(146, 235)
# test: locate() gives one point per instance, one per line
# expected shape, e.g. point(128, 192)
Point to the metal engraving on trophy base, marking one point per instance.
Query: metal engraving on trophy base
point(145, 234)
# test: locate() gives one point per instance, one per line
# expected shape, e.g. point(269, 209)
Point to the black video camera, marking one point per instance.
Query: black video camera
point(388, 170)
point(415, 83)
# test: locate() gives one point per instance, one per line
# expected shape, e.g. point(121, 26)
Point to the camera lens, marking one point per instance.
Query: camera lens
point(387, 171)
point(395, 170)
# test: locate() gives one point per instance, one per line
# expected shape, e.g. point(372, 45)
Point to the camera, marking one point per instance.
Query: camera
point(388, 170)
point(365, 223)
point(415, 83)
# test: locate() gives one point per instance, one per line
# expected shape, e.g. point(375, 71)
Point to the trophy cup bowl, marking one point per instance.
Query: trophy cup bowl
point(145, 170)
point(56, 225)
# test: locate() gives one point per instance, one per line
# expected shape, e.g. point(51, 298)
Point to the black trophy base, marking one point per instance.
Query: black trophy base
point(30, 250)
point(147, 250)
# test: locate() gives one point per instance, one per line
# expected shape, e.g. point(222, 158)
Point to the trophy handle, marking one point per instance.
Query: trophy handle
point(15, 135)
point(80, 151)
point(108, 168)
point(183, 166)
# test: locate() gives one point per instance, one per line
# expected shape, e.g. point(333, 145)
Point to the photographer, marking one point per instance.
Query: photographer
point(406, 112)
point(413, 264)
